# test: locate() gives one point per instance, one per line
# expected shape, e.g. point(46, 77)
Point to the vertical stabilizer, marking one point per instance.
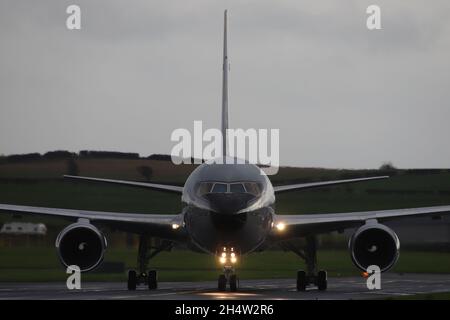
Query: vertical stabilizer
point(225, 87)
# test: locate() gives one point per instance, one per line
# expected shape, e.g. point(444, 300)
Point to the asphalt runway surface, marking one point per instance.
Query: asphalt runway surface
point(338, 288)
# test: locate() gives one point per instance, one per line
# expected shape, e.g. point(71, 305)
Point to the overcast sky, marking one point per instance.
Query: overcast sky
point(341, 95)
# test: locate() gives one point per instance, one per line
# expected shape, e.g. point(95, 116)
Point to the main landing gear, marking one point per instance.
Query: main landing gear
point(303, 280)
point(311, 276)
point(229, 277)
point(150, 279)
point(145, 253)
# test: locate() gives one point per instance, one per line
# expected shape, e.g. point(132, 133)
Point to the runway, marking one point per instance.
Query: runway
point(338, 288)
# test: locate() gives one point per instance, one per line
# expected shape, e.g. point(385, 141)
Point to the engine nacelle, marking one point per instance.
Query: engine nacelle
point(81, 244)
point(374, 244)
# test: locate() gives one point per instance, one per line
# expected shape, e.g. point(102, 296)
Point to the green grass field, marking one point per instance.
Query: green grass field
point(41, 264)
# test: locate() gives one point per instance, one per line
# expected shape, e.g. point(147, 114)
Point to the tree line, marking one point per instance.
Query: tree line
point(83, 154)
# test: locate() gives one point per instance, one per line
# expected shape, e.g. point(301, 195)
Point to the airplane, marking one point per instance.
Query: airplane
point(228, 212)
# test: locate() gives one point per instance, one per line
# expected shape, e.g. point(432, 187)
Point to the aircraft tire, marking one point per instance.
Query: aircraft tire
point(222, 283)
point(233, 283)
point(152, 279)
point(322, 280)
point(301, 280)
point(132, 279)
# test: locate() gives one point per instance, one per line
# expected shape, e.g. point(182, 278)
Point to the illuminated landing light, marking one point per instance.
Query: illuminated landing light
point(223, 260)
point(280, 226)
point(175, 226)
point(233, 260)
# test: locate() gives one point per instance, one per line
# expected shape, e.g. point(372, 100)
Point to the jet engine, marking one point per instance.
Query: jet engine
point(374, 244)
point(81, 244)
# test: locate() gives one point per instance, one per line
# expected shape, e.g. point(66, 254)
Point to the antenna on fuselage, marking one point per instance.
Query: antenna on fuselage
point(224, 88)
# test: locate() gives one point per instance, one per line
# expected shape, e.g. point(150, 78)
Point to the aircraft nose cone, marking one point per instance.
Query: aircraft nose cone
point(229, 203)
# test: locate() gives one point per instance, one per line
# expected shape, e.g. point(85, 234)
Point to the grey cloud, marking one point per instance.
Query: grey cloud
point(341, 95)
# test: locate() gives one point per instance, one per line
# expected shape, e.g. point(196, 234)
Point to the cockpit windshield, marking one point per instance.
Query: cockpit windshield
point(252, 188)
point(219, 188)
point(204, 188)
point(237, 188)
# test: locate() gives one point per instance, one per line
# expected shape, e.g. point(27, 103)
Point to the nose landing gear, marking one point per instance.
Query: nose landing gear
point(229, 277)
point(228, 257)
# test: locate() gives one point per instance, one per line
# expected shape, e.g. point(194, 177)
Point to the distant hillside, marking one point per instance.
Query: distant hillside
point(156, 167)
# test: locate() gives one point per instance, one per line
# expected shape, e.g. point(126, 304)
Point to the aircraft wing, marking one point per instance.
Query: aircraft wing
point(158, 225)
point(154, 186)
point(293, 187)
point(307, 224)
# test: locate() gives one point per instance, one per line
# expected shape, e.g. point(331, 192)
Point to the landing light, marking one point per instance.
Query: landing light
point(227, 256)
point(175, 226)
point(280, 226)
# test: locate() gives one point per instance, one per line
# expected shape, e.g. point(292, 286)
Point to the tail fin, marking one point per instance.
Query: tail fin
point(225, 88)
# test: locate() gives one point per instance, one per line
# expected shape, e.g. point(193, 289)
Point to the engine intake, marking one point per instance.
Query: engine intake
point(81, 244)
point(374, 244)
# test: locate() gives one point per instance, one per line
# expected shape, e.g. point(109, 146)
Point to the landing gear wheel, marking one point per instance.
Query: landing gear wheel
point(322, 280)
point(152, 279)
point(132, 280)
point(233, 283)
point(301, 280)
point(222, 283)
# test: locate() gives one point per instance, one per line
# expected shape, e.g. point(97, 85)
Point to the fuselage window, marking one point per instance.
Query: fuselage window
point(219, 188)
point(237, 188)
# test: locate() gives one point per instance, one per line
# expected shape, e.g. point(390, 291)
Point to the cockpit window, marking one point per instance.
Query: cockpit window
point(204, 188)
point(237, 188)
point(252, 188)
point(219, 188)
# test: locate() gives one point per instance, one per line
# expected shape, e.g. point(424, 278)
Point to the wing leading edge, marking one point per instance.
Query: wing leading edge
point(306, 224)
point(154, 186)
point(299, 186)
point(159, 225)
